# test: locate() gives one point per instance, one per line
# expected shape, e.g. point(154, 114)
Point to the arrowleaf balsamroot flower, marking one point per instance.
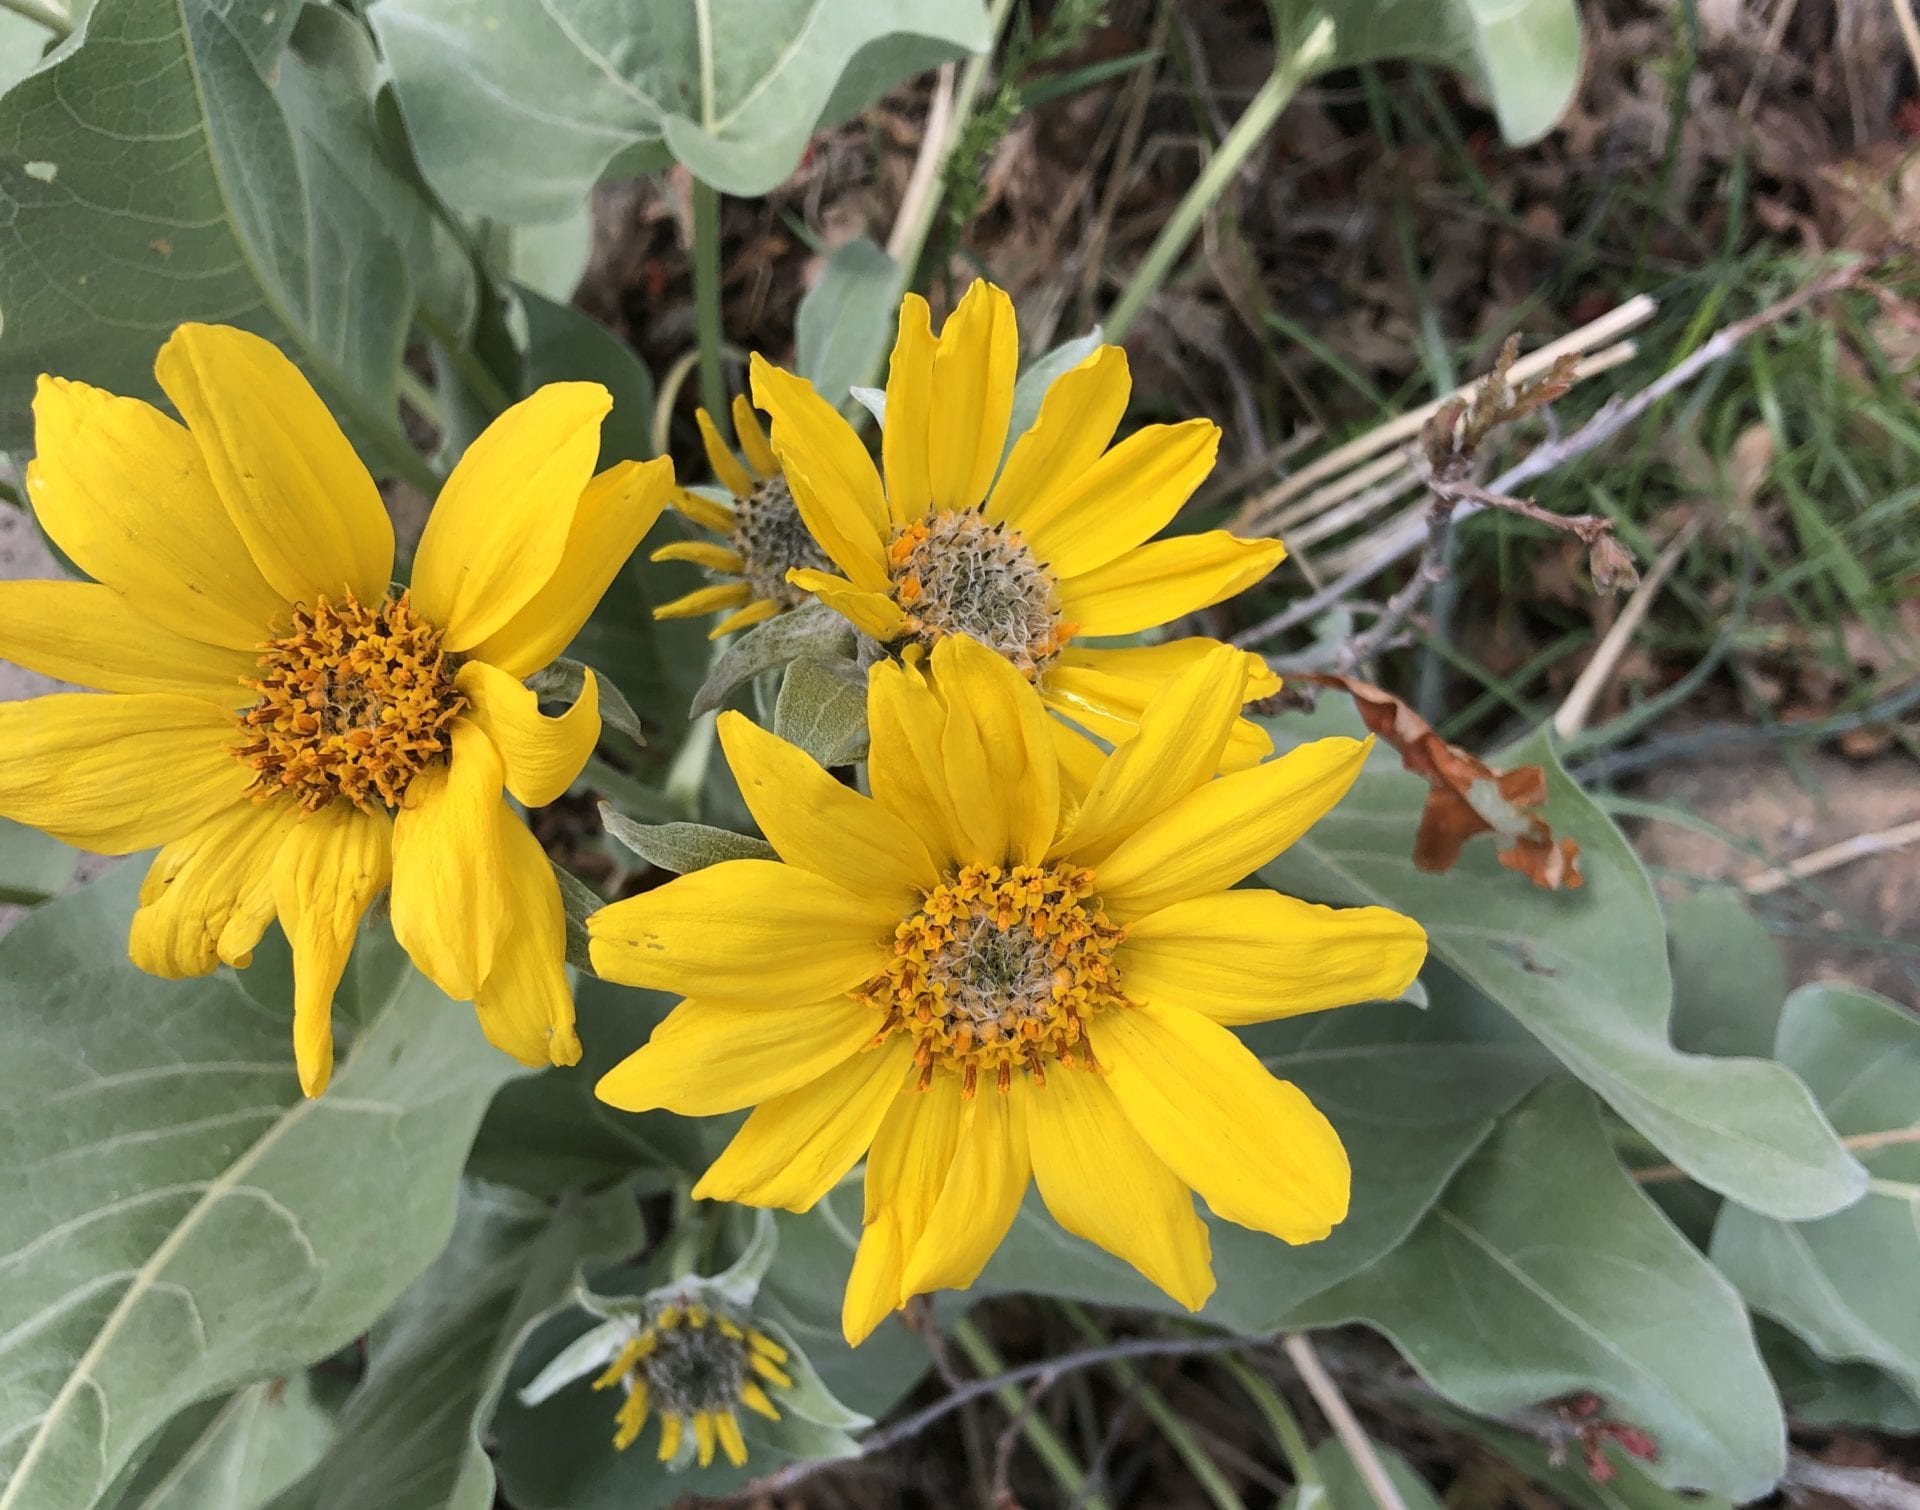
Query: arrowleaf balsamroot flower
point(1030, 557)
point(297, 732)
point(952, 980)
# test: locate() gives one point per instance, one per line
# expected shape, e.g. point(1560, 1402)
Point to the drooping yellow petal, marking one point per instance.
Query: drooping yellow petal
point(905, 767)
point(726, 1426)
point(124, 491)
point(502, 523)
point(114, 773)
point(756, 612)
point(708, 553)
point(797, 1147)
point(903, 439)
point(1127, 496)
point(820, 825)
point(86, 633)
point(207, 898)
point(709, 512)
point(703, 1437)
point(754, 445)
point(1158, 582)
point(617, 509)
point(450, 898)
point(905, 1172)
point(307, 508)
point(981, 1195)
point(525, 1005)
point(540, 756)
point(1221, 832)
point(709, 1057)
point(972, 400)
point(833, 481)
point(727, 470)
point(1106, 689)
point(329, 867)
point(1000, 764)
point(1078, 415)
point(744, 931)
point(874, 614)
point(705, 600)
point(1102, 1182)
point(1248, 956)
point(670, 1433)
point(1258, 1151)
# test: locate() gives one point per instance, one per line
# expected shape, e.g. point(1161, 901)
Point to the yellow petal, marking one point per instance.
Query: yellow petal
point(502, 524)
point(331, 865)
point(908, 1165)
point(86, 633)
point(1153, 666)
point(1106, 690)
point(450, 897)
point(670, 1433)
point(705, 600)
point(1102, 1182)
point(874, 614)
point(1224, 831)
point(709, 512)
point(756, 612)
point(615, 512)
point(821, 825)
point(114, 773)
point(905, 767)
point(727, 470)
point(1000, 764)
point(1182, 733)
point(708, 553)
point(1078, 415)
point(539, 755)
point(753, 439)
point(703, 1436)
point(1158, 582)
point(207, 898)
point(903, 439)
point(726, 1426)
point(797, 1147)
point(972, 401)
point(833, 481)
point(709, 1057)
point(980, 1196)
point(525, 1005)
point(124, 491)
point(745, 931)
point(1127, 496)
point(1248, 956)
point(1256, 1148)
point(303, 502)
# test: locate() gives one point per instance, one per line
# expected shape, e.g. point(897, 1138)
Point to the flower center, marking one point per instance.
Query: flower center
point(699, 1363)
point(354, 702)
point(1000, 969)
point(773, 540)
point(694, 1366)
point(958, 574)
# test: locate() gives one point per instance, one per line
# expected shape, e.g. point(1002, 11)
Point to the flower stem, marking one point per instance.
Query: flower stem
point(43, 13)
point(706, 300)
point(1041, 1437)
point(1281, 1420)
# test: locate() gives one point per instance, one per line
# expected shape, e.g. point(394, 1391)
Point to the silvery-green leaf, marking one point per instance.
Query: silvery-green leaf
point(1820, 1392)
point(588, 1353)
point(581, 901)
point(846, 321)
point(565, 679)
point(1342, 1488)
point(810, 630)
point(567, 344)
point(808, 1397)
point(236, 1453)
point(1729, 977)
point(873, 400)
point(682, 847)
point(33, 865)
point(1032, 385)
point(822, 708)
point(740, 1282)
point(550, 258)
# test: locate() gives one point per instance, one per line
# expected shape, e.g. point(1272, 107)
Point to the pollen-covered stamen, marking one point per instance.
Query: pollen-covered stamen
point(695, 1365)
point(773, 540)
point(999, 970)
point(354, 702)
point(958, 574)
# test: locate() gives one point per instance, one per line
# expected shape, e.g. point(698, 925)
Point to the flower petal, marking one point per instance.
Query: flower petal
point(1221, 832)
point(616, 510)
point(874, 614)
point(1102, 1182)
point(539, 756)
point(999, 760)
point(502, 523)
point(1078, 415)
point(818, 824)
point(207, 898)
point(1106, 689)
point(727, 470)
point(331, 865)
point(833, 481)
point(1256, 1148)
point(709, 1057)
point(754, 445)
point(710, 554)
point(124, 491)
point(756, 612)
point(903, 438)
point(1158, 582)
point(1249, 956)
point(980, 1196)
point(972, 399)
point(86, 633)
point(710, 512)
point(82, 766)
point(525, 1005)
point(905, 767)
point(451, 906)
point(908, 1165)
point(797, 1147)
point(301, 499)
point(705, 600)
point(744, 931)
point(1127, 496)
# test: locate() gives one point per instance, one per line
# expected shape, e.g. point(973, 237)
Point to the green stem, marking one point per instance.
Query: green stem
point(42, 13)
point(1041, 1437)
point(1280, 1420)
point(425, 402)
point(1290, 70)
point(472, 371)
point(402, 460)
point(706, 300)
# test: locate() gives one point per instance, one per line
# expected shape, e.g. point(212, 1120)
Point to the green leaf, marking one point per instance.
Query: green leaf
point(814, 630)
point(1342, 1487)
point(236, 1453)
point(1846, 1285)
point(682, 847)
point(846, 321)
point(565, 679)
point(1033, 384)
point(33, 865)
point(182, 163)
point(1584, 971)
point(823, 709)
point(565, 344)
point(179, 1220)
point(1820, 1392)
point(550, 259)
point(1545, 1271)
point(516, 112)
point(1729, 977)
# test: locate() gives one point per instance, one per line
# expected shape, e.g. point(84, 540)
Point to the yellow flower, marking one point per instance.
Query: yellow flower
point(298, 733)
point(765, 538)
point(694, 1366)
point(1029, 564)
point(951, 976)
